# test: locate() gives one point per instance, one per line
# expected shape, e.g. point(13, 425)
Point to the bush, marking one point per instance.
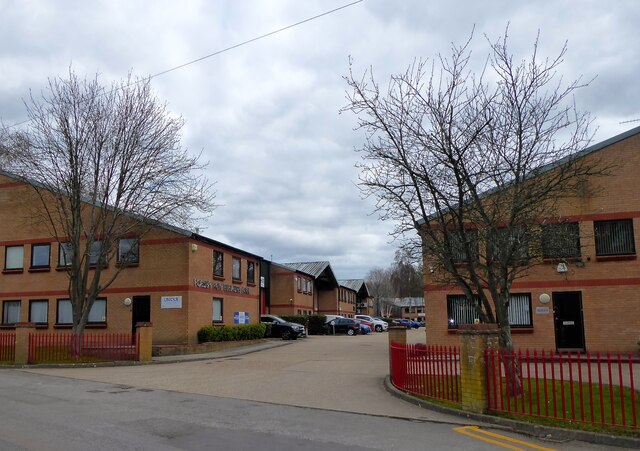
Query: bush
point(316, 325)
point(231, 333)
point(300, 319)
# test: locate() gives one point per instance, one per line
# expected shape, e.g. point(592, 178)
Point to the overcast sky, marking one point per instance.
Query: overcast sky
point(266, 115)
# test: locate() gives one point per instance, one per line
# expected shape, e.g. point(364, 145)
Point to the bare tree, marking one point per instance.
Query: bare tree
point(379, 285)
point(472, 162)
point(106, 164)
point(406, 276)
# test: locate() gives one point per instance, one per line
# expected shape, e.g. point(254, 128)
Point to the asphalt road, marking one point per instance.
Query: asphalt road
point(313, 394)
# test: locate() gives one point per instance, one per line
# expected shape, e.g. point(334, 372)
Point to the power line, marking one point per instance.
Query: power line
point(235, 46)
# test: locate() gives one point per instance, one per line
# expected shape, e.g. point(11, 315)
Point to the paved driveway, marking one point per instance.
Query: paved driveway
point(339, 373)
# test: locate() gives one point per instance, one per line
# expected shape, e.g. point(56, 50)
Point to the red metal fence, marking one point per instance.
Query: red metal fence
point(429, 371)
point(88, 348)
point(586, 388)
point(7, 347)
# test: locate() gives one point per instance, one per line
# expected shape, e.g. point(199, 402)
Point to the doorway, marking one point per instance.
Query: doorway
point(140, 311)
point(567, 315)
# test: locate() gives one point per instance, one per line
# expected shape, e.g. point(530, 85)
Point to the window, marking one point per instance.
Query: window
point(39, 311)
point(614, 237)
point(561, 240)
point(65, 254)
point(40, 255)
point(97, 314)
point(13, 257)
point(217, 310)
point(235, 268)
point(512, 243)
point(64, 314)
point(10, 312)
point(251, 272)
point(94, 254)
point(129, 251)
point(461, 311)
point(457, 241)
point(218, 264)
point(299, 282)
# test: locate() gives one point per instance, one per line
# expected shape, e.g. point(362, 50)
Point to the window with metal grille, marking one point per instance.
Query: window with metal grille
point(459, 245)
point(561, 240)
point(461, 311)
point(614, 237)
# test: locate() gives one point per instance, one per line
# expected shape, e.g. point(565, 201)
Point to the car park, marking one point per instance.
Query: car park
point(347, 326)
point(378, 324)
point(281, 328)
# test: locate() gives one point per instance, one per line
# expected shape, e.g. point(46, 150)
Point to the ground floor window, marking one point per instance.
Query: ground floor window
point(10, 312)
point(217, 310)
point(97, 314)
point(39, 311)
point(461, 311)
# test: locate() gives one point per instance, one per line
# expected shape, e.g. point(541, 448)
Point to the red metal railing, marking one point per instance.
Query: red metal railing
point(7, 347)
point(429, 371)
point(73, 348)
point(586, 388)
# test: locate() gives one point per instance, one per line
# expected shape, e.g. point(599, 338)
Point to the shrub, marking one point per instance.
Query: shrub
point(316, 325)
point(231, 333)
point(300, 319)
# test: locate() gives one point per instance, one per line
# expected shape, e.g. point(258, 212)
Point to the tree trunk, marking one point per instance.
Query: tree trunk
point(510, 362)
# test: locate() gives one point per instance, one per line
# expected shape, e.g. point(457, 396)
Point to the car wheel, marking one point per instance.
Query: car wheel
point(350, 332)
point(378, 328)
point(286, 335)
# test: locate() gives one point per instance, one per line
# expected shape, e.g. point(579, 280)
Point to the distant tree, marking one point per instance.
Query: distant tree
point(406, 276)
point(106, 164)
point(473, 162)
point(379, 285)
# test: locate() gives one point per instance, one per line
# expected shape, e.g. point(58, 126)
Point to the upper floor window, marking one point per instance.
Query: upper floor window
point(463, 246)
point(129, 251)
point(14, 257)
point(95, 252)
point(299, 283)
point(251, 272)
point(40, 254)
point(561, 240)
point(10, 312)
point(218, 263)
point(65, 254)
point(614, 237)
point(236, 268)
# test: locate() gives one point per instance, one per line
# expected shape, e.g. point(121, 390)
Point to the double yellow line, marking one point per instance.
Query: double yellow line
point(497, 439)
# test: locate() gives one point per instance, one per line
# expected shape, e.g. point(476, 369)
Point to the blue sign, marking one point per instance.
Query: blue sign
point(240, 317)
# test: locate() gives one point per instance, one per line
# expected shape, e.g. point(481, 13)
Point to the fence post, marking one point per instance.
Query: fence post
point(145, 332)
point(23, 330)
point(474, 340)
point(398, 334)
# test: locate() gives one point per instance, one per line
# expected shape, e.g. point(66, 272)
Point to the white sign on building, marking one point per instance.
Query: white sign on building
point(171, 302)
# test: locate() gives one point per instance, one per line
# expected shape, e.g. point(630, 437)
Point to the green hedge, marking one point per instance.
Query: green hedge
point(299, 319)
point(315, 324)
point(231, 333)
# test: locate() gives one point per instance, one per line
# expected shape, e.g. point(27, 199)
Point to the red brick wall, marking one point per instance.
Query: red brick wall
point(610, 289)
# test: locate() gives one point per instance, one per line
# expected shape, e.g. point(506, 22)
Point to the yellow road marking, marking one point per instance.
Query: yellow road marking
point(475, 431)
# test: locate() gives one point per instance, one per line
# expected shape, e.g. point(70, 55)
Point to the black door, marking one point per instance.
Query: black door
point(141, 311)
point(567, 315)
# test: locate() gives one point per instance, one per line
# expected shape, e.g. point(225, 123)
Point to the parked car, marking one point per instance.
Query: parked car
point(282, 328)
point(366, 322)
point(347, 326)
point(408, 323)
point(378, 324)
point(364, 329)
point(330, 318)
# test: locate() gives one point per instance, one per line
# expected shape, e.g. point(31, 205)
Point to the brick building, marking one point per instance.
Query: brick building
point(178, 280)
point(590, 298)
point(364, 301)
